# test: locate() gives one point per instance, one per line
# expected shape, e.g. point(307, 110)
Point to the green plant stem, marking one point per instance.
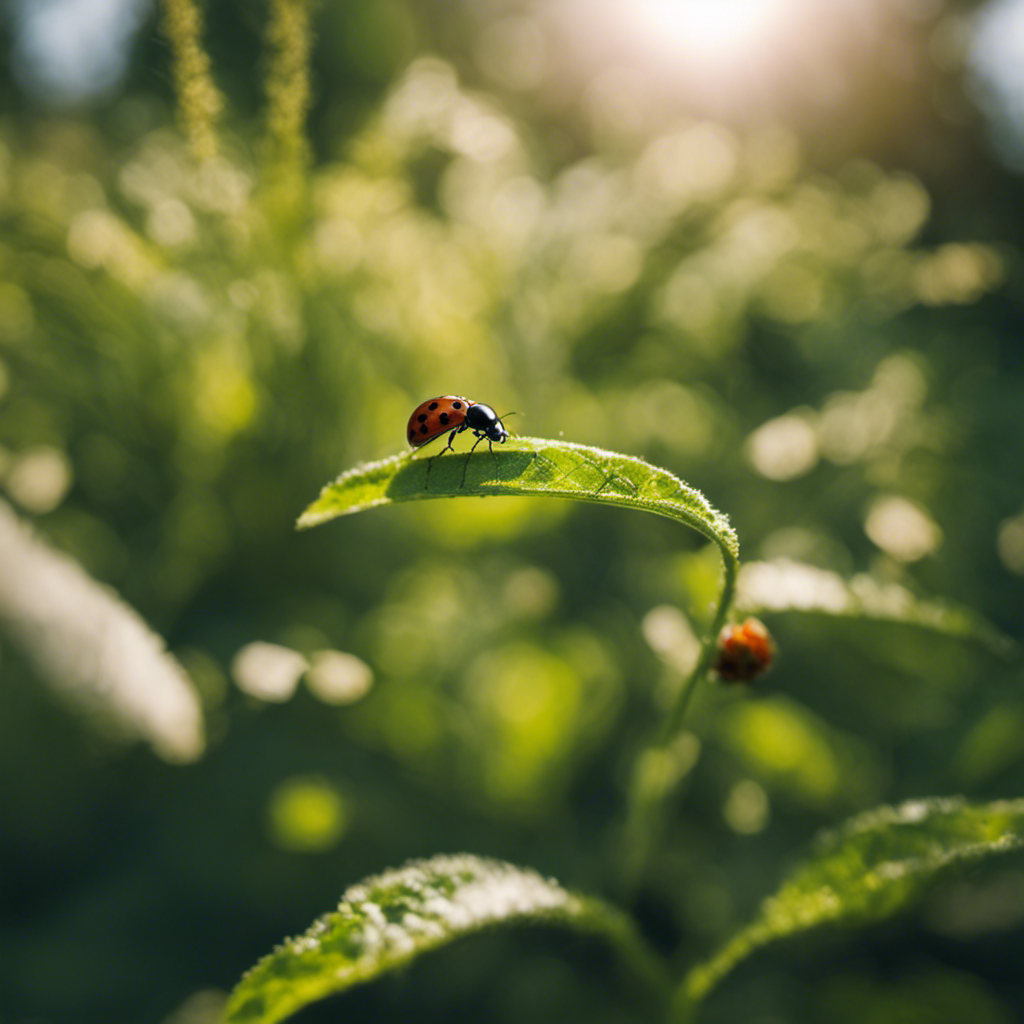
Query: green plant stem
point(682, 1009)
point(654, 776)
point(637, 959)
point(677, 713)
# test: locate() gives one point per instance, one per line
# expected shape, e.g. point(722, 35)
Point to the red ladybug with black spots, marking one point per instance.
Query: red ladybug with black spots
point(454, 413)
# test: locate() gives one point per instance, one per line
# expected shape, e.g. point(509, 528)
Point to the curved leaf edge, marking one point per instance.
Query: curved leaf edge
point(386, 921)
point(928, 855)
point(625, 480)
point(786, 586)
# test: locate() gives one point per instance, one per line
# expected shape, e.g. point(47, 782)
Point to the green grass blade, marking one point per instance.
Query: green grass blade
point(874, 866)
point(783, 585)
point(389, 920)
point(525, 466)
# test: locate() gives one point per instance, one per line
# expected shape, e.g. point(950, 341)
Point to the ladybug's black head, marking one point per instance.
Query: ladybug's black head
point(483, 419)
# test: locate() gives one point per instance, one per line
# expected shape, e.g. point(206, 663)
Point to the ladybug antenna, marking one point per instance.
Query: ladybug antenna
point(505, 417)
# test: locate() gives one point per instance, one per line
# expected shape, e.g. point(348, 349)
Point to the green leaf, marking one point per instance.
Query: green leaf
point(783, 585)
point(874, 866)
point(525, 466)
point(389, 920)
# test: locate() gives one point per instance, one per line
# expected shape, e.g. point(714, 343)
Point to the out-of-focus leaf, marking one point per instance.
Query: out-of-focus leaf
point(526, 466)
point(90, 644)
point(875, 865)
point(391, 919)
point(784, 585)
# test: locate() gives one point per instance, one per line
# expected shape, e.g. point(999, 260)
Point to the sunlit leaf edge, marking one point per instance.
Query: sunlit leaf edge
point(68, 625)
point(388, 920)
point(526, 466)
point(872, 867)
point(786, 585)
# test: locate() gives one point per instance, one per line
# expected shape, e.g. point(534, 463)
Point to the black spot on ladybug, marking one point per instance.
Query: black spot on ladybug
point(412, 434)
point(422, 418)
point(423, 430)
point(433, 405)
point(456, 405)
point(444, 418)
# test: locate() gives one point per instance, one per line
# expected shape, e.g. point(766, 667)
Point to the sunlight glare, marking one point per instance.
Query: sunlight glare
point(702, 29)
point(733, 58)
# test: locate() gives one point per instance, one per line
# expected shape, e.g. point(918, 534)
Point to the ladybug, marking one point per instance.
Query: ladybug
point(438, 415)
point(744, 651)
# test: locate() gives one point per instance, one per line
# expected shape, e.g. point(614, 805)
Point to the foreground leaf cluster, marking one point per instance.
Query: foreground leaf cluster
point(876, 865)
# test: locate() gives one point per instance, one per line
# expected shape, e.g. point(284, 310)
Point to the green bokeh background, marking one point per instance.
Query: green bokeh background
point(812, 312)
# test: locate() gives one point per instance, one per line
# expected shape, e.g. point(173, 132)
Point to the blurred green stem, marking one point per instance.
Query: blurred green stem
point(638, 960)
point(659, 767)
point(286, 150)
point(199, 101)
point(677, 714)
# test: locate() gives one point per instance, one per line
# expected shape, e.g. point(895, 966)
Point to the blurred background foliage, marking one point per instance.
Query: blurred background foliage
point(775, 249)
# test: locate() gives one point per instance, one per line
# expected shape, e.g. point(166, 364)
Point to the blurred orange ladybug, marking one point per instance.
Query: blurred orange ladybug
point(744, 651)
point(437, 416)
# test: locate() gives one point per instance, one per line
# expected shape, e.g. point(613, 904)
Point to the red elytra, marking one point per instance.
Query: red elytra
point(744, 651)
point(453, 414)
point(433, 417)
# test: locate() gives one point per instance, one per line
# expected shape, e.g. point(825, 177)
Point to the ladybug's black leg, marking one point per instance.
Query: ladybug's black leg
point(479, 438)
point(447, 448)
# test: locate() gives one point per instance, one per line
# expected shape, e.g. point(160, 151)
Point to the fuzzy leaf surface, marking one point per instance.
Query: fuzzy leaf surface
point(525, 466)
point(872, 867)
point(389, 920)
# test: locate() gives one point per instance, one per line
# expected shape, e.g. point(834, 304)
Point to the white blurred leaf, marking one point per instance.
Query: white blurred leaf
point(84, 639)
